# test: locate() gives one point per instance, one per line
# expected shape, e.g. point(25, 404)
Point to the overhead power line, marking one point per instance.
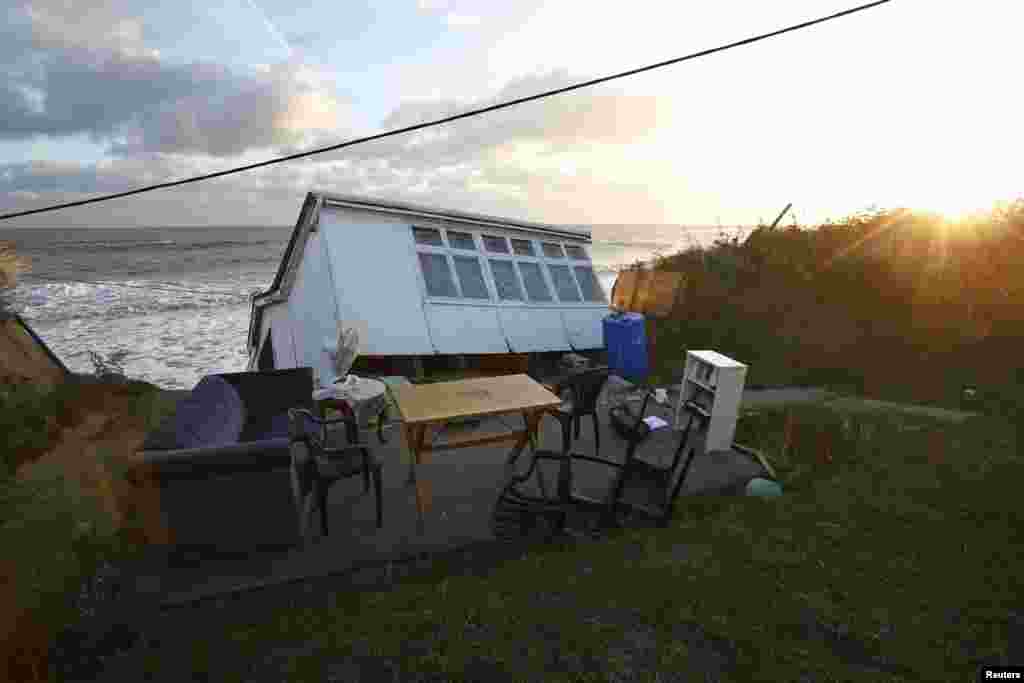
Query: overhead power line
point(449, 119)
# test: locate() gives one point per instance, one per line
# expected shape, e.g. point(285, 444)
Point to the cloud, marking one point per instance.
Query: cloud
point(166, 121)
point(457, 20)
point(97, 77)
point(558, 124)
point(102, 25)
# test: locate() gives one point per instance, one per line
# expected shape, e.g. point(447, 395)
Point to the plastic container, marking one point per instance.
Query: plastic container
point(763, 488)
point(625, 340)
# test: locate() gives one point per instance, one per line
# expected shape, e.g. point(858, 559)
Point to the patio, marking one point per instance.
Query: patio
point(465, 485)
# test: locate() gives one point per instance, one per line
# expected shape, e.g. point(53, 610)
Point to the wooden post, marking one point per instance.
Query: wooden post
point(779, 218)
point(637, 285)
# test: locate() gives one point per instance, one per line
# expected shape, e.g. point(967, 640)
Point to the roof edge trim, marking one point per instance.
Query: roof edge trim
point(403, 208)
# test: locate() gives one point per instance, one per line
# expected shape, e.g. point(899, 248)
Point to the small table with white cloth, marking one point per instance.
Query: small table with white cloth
point(359, 397)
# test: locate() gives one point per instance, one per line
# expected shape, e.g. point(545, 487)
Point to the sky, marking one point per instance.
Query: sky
point(911, 104)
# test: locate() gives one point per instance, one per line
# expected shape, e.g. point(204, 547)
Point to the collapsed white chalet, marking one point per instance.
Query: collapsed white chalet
point(424, 281)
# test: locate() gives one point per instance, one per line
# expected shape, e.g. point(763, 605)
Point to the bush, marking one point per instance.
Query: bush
point(55, 536)
point(10, 265)
point(894, 304)
point(56, 533)
point(27, 421)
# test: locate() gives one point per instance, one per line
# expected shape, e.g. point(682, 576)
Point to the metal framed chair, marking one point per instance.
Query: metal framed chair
point(584, 388)
point(663, 483)
point(517, 511)
point(316, 466)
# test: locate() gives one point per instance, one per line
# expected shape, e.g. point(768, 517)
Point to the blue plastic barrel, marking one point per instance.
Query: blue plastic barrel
point(625, 340)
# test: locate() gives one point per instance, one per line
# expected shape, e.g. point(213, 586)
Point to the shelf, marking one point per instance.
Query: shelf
point(702, 385)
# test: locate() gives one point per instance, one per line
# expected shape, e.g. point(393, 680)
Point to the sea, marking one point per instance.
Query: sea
point(172, 304)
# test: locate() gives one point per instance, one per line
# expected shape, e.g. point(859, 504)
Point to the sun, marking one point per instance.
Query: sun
point(965, 192)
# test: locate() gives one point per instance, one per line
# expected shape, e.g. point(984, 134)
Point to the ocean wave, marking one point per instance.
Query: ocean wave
point(221, 244)
point(141, 245)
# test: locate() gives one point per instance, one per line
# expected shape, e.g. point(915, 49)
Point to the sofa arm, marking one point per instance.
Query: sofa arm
point(202, 463)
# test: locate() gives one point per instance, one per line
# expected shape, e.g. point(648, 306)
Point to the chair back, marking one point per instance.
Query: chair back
point(586, 387)
point(699, 418)
point(629, 425)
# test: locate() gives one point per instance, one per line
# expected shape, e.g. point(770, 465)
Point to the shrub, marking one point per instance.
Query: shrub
point(55, 535)
point(897, 304)
point(10, 265)
point(57, 530)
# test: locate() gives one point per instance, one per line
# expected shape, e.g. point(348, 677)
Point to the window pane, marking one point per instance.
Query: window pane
point(471, 277)
point(522, 247)
point(564, 283)
point(536, 287)
point(428, 236)
point(552, 250)
point(437, 274)
point(575, 251)
point(506, 280)
point(588, 283)
point(461, 240)
point(496, 244)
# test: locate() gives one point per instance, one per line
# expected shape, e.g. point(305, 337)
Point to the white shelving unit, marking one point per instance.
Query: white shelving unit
point(715, 382)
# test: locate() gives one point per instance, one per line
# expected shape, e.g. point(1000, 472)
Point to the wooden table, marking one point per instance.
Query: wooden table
point(423, 406)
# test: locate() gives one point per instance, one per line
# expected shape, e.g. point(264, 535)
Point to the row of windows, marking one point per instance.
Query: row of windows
point(497, 245)
point(450, 274)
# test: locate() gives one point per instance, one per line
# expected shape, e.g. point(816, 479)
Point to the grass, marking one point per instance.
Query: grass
point(891, 557)
point(54, 532)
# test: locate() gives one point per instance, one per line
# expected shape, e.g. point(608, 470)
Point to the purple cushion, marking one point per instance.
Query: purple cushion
point(212, 415)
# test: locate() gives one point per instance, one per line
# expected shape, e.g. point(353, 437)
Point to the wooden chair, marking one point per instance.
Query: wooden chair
point(315, 466)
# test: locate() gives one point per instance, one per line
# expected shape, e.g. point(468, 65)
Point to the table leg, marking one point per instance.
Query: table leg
point(521, 443)
point(411, 440)
point(532, 432)
point(415, 437)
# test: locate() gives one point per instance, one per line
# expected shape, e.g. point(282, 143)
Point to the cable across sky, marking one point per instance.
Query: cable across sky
point(448, 119)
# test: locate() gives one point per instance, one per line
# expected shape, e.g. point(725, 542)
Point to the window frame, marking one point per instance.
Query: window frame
point(584, 259)
point(476, 241)
point(438, 251)
point(449, 252)
point(596, 283)
point(484, 257)
point(572, 276)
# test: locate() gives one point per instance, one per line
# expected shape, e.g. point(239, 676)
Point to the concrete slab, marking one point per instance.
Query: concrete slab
point(465, 486)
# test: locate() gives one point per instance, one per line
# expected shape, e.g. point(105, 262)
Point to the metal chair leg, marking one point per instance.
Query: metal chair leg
point(306, 518)
point(597, 434)
point(378, 489)
point(322, 495)
point(566, 435)
point(366, 472)
point(620, 483)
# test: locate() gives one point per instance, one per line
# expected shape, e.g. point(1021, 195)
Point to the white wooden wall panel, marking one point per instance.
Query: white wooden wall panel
point(534, 330)
point(584, 327)
point(465, 329)
point(312, 307)
point(375, 275)
point(281, 333)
